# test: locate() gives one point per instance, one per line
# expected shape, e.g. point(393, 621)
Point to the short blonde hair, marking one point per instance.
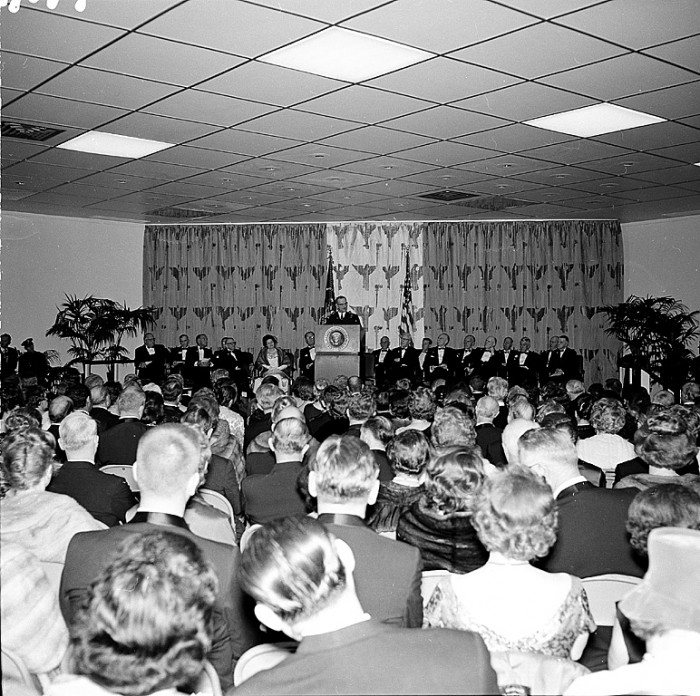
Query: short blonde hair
point(345, 468)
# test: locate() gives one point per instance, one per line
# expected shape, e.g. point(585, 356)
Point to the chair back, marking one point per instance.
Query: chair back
point(217, 500)
point(126, 471)
point(429, 581)
point(261, 657)
point(15, 671)
point(604, 591)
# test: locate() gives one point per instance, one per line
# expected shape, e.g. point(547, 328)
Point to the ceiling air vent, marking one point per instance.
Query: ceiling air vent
point(179, 213)
point(27, 131)
point(447, 196)
point(492, 203)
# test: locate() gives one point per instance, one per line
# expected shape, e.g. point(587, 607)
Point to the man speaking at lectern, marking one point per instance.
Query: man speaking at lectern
point(341, 314)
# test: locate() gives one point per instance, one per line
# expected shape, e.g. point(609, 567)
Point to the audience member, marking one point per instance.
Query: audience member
point(508, 601)
point(488, 436)
point(377, 432)
point(452, 427)
point(497, 388)
point(153, 407)
point(511, 435)
point(59, 408)
point(361, 407)
point(101, 400)
point(307, 584)
point(172, 392)
point(107, 498)
point(118, 444)
point(344, 482)
point(439, 523)
point(151, 360)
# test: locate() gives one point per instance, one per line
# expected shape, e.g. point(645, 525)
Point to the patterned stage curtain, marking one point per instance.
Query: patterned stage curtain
point(526, 279)
point(238, 280)
point(370, 269)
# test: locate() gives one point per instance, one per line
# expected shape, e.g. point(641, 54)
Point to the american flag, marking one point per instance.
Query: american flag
point(407, 327)
point(329, 302)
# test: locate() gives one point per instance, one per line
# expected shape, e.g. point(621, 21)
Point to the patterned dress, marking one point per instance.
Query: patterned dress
point(553, 635)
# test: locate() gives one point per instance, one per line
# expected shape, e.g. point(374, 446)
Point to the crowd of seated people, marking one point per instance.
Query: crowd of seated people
point(316, 507)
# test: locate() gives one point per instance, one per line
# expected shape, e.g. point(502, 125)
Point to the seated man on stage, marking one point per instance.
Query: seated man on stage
point(198, 362)
point(151, 359)
point(235, 361)
point(341, 314)
point(307, 356)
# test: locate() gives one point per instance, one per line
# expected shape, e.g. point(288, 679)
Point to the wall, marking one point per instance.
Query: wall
point(662, 257)
point(44, 257)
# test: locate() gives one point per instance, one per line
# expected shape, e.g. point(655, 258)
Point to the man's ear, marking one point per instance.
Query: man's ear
point(312, 485)
point(271, 444)
point(374, 492)
point(192, 484)
point(268, 618)
point(347, 557)
point(134, 470)
point(61, 444)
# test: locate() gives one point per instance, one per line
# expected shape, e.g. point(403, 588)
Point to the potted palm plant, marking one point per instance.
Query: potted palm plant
point(656, 333)
point(95, 326)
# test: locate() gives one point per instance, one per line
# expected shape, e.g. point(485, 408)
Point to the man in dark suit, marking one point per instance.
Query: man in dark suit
point(305, 582)
point(441, 360)
point(235, 362)
point(527, 367)
point(379, 358)
point(592, 538)
point(178, 356)
point(425, 347)
point(151, 359)
point(9, 355)
point(307, 356)
point(468, 358)
point(507, 361)
point(167, 470)
point(198, 363)
point(341, 314)
point(344, 482)
point(487, 364)
point(118, 444)
point(567, 366)
point(402, 362)
point(549, 360)
point(488, 436)
point(100, 401)
point(107, 498)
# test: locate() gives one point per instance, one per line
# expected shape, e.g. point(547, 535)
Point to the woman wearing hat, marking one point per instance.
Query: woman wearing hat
point(664, 610)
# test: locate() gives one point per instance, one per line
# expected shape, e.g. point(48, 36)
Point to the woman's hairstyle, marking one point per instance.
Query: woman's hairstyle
point(303, 388)
point(281, 403)
point(497, 388)
point(452, 427)
point(663, 505)
point(27, 455)
point(291, 565)
point(453, 480)
point(520, 407)
point(153, 410)
point(226, 392)
point(514, 393)
point(663, 440)
point(266, 338)
point(583, 407)
point(547, 407)
point(421, 404)
point(380, 426)
point(24, 417)
point(408, 452)
point(399, 400)
point(691, 415)
point(146, 622)
point(266, 396)
point(608, 415)
point(337, 403)
point(515, 515)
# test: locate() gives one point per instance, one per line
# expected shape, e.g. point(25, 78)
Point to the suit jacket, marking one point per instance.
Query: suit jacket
point(192, 356)
point(468, 360)
point(373, 658)
point(349, 318)
point(118, 444)
point(266, 497)
point(105, 420)
point(488, 437)
point(155, 371)
point(553, 360)
point(221, 477)
point(307, 365)
point(486, 368)
point(9, 360)
point(387, 572)
point(403, 367)
point(526, 372)
point(592, 538)
point(434, 367)
point(506, 366)
point(381, 372)
point(90, 552)
point(549, 363)
point(237, 363)
point(105, 497)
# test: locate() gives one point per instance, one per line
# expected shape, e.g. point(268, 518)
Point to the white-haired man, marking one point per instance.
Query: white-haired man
point(118, 444)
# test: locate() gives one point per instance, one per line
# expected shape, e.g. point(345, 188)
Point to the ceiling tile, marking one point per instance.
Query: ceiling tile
point(652, 137)
point(47, 35)
point(611, 186)
point(689, 152)
point(381, 141)
point(224, 25)
point(561, 176)
point(508, 165)
point(17, 150)
point(333, 178)
point(446, 177)
point(118, 181)
point(656, 193)
point(196, 157)
point(395, 187)
point(208, 108)
point(184, 188)
point(168, 130)
point(63, 112)
point(81, 160)
point(551, 194)
point(110, 89)
point(660, 21)
point(25, 72)
point(672, 103)
point(363, 104)
point(446, 154)
point(443, 80)
point(630, 164)
point(291, 189)
point(224, 180)
point(524, 101)
point(675, 175)
point(322, 10)
point(521, 54)
point(546, 9)
point(390, 167)
point(270, 84)
point(288, 123)
point(439, 25)
point(319, 155)
point(445, 122)
point(347, 197)
point(270, 168)
point(156, 170)
point(575, 151)
point(683, 52)
point(513, 138)
point(33, 169)
point(244, 143)
point(87, 193)
point(193, 64)
point(500, 187)
point(620, 77)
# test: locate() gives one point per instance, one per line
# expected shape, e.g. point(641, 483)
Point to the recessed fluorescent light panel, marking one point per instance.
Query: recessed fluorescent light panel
point(99, 143)
point(345, 55)
point(595, 120)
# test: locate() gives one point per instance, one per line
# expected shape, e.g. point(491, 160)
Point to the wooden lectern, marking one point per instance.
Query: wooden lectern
point(337, 351)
